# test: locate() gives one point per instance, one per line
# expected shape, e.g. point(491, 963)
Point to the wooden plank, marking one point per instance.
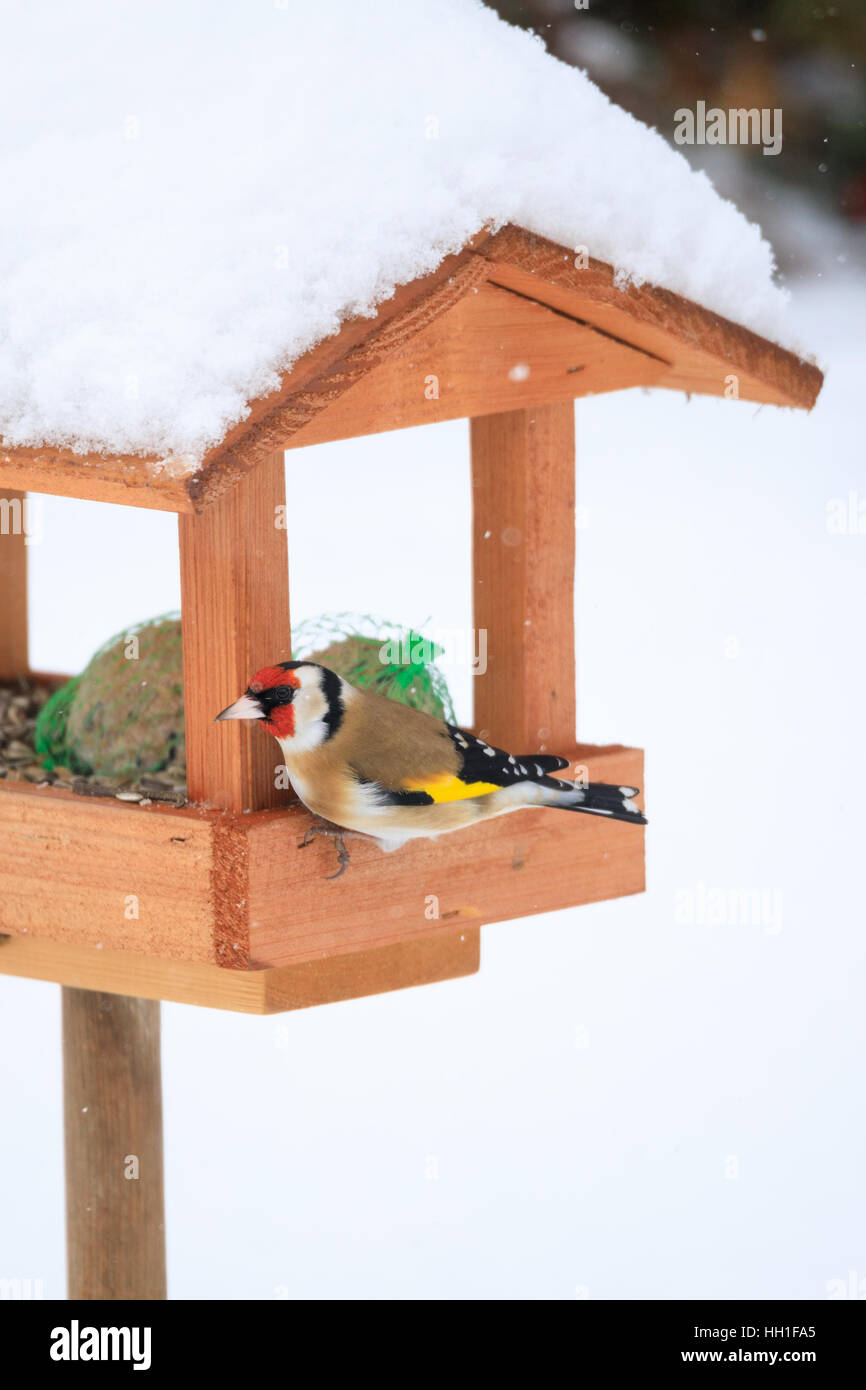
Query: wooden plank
point(106, 874)
point(523, 539)
point(514, 866)
point(13, 585)
point(123, 478)
point(702, 347)
point(234, 574)
point(112, 1106)
point(492, 351)
point(424, 960)
point(238, 891)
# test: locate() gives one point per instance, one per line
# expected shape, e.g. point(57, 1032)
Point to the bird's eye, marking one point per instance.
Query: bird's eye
point(283, 694)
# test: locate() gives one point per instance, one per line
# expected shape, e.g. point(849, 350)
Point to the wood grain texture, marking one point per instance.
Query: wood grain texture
point(112, 1105)
point(515, 866)
point(701, 347)
point(69, 865)
point(424, 960)
point(234, 575)
point(523, 543)
point(491, 351)
point(13, 586)
point(125, 479)
point(238, 891)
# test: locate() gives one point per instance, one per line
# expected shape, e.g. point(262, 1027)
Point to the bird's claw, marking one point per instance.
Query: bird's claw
point(339, 842)
point(342, 855)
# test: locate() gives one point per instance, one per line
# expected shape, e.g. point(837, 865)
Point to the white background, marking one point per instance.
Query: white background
point(585, 1095)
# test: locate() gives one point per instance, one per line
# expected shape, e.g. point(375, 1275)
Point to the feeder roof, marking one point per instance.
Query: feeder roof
point(235, 229)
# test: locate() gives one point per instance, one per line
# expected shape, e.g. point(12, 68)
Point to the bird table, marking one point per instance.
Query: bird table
point(233, 913)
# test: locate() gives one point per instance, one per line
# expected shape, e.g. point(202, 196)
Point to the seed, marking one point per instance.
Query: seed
point(17, 749)
point(82, 786)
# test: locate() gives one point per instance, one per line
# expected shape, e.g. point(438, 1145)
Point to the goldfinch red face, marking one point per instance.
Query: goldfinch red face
point(299, 702)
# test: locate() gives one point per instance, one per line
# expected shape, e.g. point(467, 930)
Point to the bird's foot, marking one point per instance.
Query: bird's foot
point(339, 836)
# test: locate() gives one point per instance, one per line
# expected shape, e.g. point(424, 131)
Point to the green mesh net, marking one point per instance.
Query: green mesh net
point(123, 716)
point(50, 736)
point(377, 655)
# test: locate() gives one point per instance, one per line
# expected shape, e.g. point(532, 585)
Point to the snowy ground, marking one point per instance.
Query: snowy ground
point(632, 1100)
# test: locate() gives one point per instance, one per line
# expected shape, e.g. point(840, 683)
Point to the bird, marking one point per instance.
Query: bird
point(372, 767)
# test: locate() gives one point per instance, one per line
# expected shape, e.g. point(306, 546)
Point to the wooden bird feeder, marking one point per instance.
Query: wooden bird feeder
point(233, 914)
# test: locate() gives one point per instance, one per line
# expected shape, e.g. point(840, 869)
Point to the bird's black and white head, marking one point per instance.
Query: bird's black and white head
point(299, 702)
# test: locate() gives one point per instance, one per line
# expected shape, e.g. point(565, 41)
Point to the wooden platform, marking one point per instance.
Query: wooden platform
point(237, 891)
point(426, 960)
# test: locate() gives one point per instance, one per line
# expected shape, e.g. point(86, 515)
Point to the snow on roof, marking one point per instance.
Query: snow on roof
point(197, 191)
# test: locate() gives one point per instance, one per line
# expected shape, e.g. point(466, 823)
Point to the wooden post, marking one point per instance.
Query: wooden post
point(115, 1218)
point(234, 576)
point(523, 522)
point(13, 586)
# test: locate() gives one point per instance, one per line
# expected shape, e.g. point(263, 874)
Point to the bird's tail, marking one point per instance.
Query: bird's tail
point(597, 799)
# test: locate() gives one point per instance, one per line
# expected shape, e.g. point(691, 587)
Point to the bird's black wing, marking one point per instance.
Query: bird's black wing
point(481, 762)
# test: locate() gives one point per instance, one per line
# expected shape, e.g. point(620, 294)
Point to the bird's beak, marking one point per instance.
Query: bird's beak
point(244, 708)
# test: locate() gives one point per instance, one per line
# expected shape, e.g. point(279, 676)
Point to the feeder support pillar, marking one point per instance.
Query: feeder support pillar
point(523, 543)
point(13, 585)
point(234, 579)
point(112, 1090)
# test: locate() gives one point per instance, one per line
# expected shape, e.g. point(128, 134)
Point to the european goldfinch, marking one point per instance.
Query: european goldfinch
point(371, 765)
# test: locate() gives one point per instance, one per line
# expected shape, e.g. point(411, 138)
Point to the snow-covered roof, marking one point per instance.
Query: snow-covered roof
point(196, 193)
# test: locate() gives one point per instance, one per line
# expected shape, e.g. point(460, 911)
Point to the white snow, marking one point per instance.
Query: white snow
point(194, 193)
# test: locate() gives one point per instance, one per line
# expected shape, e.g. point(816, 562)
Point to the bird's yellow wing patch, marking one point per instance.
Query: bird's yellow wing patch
point(447, 787)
